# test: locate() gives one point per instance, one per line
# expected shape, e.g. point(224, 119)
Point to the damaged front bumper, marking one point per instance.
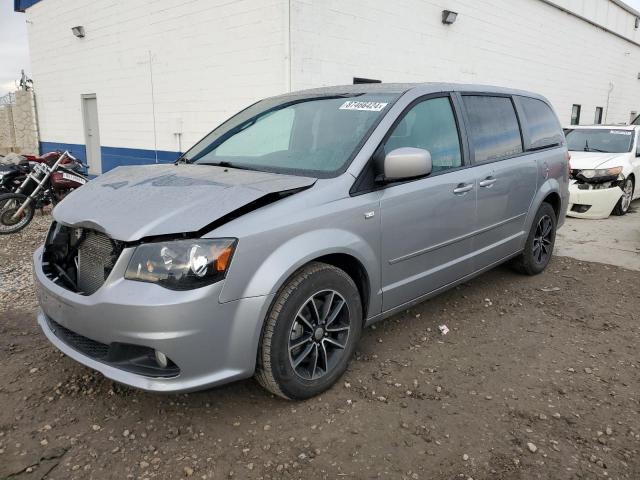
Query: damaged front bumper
point(117, 330)
point(593, 200)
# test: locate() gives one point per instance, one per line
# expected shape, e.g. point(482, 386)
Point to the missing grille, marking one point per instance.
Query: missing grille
point(79, 259)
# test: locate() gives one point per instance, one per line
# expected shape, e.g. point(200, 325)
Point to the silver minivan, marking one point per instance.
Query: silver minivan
point(269, 246)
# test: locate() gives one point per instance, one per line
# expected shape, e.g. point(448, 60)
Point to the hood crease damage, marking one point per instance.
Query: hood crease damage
point(131, 204)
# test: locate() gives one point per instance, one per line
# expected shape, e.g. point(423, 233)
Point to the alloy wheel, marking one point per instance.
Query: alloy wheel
point(319, 334)
point(543, 240)
point(627, 193)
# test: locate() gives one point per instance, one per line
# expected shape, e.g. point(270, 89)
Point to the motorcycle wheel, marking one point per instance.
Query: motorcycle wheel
point(9, 204)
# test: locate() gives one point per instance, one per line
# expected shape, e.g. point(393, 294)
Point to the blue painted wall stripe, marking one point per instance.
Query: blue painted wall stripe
point(22, 5)
point(78, 151)
point(113, 157)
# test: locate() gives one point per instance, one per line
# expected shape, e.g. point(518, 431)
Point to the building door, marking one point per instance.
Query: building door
point(92, 133)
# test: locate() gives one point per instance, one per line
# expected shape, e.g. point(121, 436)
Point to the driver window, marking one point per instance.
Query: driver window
point(430, 125)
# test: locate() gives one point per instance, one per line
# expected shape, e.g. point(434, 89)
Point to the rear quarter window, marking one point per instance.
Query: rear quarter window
point(540, 124)
point(493, 127)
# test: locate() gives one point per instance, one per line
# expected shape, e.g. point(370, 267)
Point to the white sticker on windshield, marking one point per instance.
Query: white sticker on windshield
point(365, 106)
point(620, 132)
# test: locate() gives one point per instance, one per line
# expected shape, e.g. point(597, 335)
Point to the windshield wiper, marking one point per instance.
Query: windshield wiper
point(229, 165)
point(587, 148)
point(182, 159)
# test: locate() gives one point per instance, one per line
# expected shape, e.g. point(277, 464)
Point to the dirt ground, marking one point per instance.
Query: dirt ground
point(538, 378)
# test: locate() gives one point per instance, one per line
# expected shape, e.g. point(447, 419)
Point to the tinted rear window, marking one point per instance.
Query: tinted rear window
point(540, 124)
point(493, 128)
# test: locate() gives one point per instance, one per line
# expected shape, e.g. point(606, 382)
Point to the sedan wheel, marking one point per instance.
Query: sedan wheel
point(622, 207)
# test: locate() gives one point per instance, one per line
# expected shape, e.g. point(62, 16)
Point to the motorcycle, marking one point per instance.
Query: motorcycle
point(12, 175)
point(44, 185)
point(15, 168)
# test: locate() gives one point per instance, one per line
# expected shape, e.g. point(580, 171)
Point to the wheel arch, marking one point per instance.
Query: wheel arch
point(549, 192)
point(340, 248)
point(355, 269)
point(553, 199)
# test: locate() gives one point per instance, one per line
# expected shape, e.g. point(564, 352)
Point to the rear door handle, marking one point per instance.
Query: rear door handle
point(463, 188)
point(487, 182)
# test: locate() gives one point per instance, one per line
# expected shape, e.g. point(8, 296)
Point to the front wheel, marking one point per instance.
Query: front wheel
point(10, 203)
point(539, 246)
point(310, 333)
point(622, 207)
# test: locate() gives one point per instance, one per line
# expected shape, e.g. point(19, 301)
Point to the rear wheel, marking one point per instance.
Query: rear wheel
point(10, 203)
point(622, 207)
point(539, 246)
point(310, 333)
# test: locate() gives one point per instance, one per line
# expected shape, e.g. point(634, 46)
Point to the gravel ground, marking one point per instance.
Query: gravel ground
point(537, 379)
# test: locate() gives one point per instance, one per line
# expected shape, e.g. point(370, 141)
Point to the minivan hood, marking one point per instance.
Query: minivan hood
point(590, 160)
point(130, 203)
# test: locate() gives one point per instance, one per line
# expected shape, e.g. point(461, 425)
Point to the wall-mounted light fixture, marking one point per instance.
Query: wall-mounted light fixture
point(78, 31)
point(449, 17)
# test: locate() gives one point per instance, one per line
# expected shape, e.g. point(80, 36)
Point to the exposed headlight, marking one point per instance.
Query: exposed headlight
point(601, 172)
point(181, 264)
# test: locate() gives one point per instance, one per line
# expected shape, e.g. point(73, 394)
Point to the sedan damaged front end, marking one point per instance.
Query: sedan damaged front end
point(594, 193)
point(603, 170)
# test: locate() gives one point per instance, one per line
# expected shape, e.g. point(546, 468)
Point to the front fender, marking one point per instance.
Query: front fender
point(274, 270)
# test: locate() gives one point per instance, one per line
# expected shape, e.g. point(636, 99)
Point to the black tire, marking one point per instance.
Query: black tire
point(9, 204)
point(622, 207)
point(275, 366)
point(530, 261)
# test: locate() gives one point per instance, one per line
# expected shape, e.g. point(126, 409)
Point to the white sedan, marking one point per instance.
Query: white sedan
point(605, 168)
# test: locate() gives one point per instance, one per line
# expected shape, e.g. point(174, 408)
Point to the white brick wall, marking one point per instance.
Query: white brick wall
point(212, 57)
point(523, 44)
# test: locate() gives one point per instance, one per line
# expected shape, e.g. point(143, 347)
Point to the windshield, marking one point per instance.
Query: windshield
point(599, 140)
point(312, 135)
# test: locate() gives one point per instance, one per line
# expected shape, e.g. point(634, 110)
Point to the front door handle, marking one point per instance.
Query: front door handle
point(463, 188)
point(487, 182)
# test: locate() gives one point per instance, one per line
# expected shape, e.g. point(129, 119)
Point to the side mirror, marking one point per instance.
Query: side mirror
point(406, 162)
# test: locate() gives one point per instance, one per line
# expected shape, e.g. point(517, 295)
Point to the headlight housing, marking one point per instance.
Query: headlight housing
point(182, 264)
point(601, 173)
